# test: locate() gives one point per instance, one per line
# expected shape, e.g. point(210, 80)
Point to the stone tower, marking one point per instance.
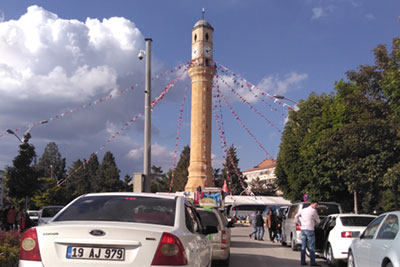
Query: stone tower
point(202, 73)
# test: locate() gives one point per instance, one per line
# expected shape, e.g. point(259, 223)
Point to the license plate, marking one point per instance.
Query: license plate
point(96, 253)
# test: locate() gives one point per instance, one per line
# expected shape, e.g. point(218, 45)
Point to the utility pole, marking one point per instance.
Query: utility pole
point(147, 118)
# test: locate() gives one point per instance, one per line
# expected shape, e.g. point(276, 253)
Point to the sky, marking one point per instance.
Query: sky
point(74, 63)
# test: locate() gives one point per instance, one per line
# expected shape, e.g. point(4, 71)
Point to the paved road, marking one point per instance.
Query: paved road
point(246, 252)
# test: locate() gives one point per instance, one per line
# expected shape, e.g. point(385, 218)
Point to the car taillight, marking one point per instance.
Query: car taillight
point(170, 251)
point(298, 227)
point(347, 234)
point(223, 237)
point(29, 249)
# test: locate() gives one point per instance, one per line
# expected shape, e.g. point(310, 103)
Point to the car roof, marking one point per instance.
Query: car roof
point(166, 196)
point(351, 215)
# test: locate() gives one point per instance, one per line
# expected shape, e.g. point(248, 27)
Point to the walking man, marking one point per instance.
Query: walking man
point(307, 218)
point(252, 219)
point(260, 226)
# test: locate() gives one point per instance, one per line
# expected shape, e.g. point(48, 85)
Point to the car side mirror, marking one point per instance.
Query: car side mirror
point(355, 234)
point(210, 230)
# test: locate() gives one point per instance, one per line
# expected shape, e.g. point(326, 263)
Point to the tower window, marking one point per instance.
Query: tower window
point(207, 36)
point(195, 37)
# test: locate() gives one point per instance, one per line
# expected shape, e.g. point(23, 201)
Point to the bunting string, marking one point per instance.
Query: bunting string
point(219, 120)
point(242, 83)
point(243, 125)
point(177, 138)
point(249, 105)
point(101, 99)
point(126, 126)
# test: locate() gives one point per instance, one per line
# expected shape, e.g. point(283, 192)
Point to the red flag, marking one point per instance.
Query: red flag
point(225, 187)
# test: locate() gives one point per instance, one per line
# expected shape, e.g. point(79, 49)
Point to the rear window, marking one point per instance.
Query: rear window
point(51, 211)
point(325, 209)
point(356, 221)
point(33, 213)
point(121, 208)
point(208, 218)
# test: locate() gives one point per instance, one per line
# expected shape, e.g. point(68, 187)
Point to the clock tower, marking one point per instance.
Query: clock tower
point(202, 73)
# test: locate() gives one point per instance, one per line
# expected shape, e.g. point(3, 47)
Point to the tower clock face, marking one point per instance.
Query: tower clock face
point(207, 52)
point(195, 52)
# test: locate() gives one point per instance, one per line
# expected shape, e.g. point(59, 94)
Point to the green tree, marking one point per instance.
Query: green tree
point(107, 175)
point(50, 193)
point(262, 187)
point(159, 182)
point(231, 172)
point(22, 178)
point(181, 171)
point(51, 163)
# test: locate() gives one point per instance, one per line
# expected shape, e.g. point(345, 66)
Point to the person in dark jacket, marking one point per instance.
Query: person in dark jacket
point(271, 223)
point(260, 226)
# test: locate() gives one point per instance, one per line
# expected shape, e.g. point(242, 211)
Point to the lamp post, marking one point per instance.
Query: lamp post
point(24, 143)
point(284, 97)
point(147, 115)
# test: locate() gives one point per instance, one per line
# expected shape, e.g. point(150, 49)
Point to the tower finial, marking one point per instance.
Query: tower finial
point(202, 13)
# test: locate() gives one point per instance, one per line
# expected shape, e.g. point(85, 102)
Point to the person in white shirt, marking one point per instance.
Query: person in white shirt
point(307, 218)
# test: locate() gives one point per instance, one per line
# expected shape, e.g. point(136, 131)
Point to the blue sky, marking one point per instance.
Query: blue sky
point(288, 47)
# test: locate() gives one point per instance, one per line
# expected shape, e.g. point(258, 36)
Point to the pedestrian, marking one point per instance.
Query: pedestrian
point(307, 218)
point(260, 226)
point(11, 218)
point(24, 221)
point(252, 219)
point(4, 219)
point(271, 223)
point(279, 220)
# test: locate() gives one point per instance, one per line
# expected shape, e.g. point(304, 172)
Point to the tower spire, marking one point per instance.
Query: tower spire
point(202, 13)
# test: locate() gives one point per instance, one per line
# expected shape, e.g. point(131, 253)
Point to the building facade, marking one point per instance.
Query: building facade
point(265, 171)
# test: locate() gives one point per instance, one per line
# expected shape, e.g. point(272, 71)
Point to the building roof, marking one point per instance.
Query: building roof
point(266, 164)
point(203, 23)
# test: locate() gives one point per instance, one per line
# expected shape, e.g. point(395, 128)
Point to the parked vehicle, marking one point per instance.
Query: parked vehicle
point(34, 216)
point(47, 213)
point(291, 231)
point(334, 234)
point(379, 244)
point(221, 241)
point(120, 229)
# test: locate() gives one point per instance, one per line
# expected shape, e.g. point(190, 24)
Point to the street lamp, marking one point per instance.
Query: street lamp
point(284, 97)
point(147, 115)
point(27, 135)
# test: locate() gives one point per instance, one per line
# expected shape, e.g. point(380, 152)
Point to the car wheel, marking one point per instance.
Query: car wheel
point(294, 246)
point(389, 264)
point(350, 260)
point(330, 259)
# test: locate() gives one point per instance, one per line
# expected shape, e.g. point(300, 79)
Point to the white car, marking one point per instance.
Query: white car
point(120, 229)
point(334, 234)
point(221, 241)
point(379, 244)
point(47, 213)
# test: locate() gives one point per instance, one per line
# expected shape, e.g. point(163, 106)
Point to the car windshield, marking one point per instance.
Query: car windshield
point(51, 211)
point(208, 218)
point(356, 220)
point(325, 209)
point(119, 208)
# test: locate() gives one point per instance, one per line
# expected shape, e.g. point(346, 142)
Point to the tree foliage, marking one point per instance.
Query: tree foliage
point(181, 171)
point(51, 163)
point(232, 174)
point(261, 187)
point(341, 145)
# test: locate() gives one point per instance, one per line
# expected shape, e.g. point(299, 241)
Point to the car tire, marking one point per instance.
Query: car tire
point(389, 264)
point(293, 245)
point(350, 260)
point(330, 259)
point(226, 262)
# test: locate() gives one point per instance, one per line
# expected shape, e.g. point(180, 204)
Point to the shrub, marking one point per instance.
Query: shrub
point(9, 248)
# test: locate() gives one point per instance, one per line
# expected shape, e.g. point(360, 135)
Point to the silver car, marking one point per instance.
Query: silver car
point(291, 234)
point(379, 244)
point(47, 213)
point(221, 241)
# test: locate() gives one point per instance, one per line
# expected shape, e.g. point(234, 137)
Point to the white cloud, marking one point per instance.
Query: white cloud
point(49, 65)
point(318, 12)
point(274, 84)
point(369, 16)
